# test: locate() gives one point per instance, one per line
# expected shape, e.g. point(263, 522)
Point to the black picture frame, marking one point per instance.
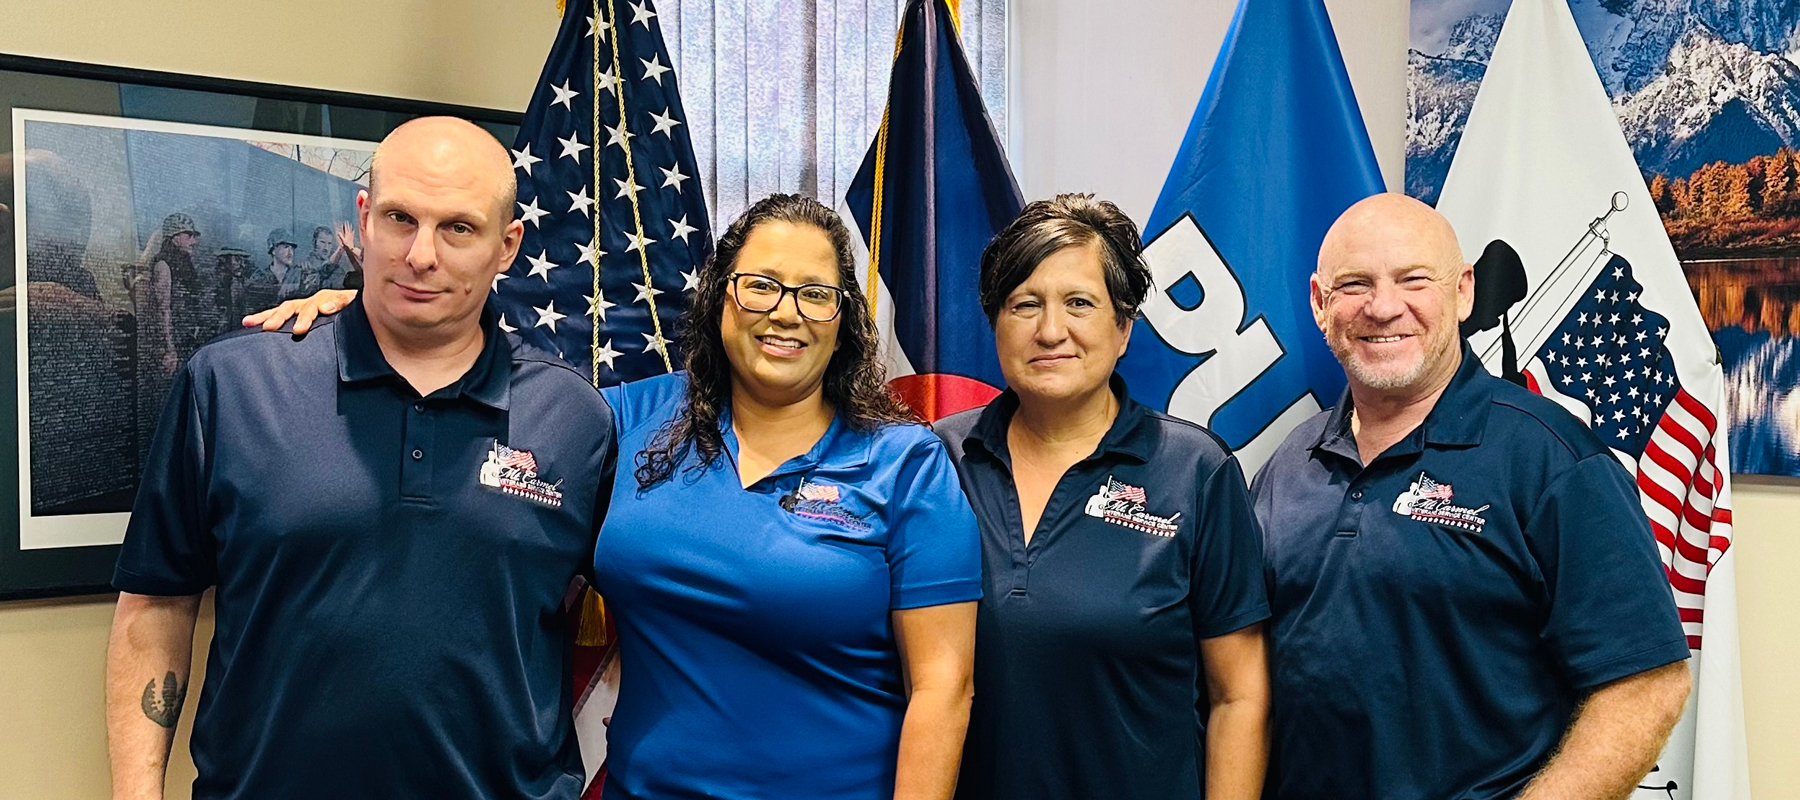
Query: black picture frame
point(161, 97)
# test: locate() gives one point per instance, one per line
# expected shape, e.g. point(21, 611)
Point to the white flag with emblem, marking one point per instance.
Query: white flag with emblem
point(1608, 328)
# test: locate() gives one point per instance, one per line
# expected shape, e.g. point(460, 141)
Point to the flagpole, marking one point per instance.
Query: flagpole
point(1552, 283)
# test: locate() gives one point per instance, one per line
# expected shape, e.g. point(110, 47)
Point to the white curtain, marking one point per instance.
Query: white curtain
point(786, 95)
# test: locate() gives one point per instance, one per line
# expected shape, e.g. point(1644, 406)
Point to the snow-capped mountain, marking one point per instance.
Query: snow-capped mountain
point(1715, 101)
point(1631, 40)
point(1693, 81)
point(1439, 93)
point(1472, 38)
point(1769, 26)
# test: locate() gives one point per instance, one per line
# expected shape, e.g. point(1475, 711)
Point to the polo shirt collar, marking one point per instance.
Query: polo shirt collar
point(841, 448)
point(1461, 412)
point(1129, 436)
point(1456, 420)
point(488, 381)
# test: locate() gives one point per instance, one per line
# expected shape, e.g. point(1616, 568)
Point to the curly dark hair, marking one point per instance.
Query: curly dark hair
point(855, 378)
point(1067, 220)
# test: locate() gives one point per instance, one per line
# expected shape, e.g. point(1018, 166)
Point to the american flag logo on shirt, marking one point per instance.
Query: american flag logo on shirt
point(1429, 489)
point(817, 492)
point(514, 472)
point(1125, 491)
point(1122, 504)
point(520, 459)
point(1428, 500)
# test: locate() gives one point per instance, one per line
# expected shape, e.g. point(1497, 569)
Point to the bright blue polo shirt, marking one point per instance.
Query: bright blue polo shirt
point(1088, 680)
point(390, 568)
point(1440, 612)
point(758, 656)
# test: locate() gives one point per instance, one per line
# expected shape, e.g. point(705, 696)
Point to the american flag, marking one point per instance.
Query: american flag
point(1608, 361)
point(818, 492)
point(1432, 490)
point(636, 210)
point(1125, 491)
point(615, 232)
point(510, 457)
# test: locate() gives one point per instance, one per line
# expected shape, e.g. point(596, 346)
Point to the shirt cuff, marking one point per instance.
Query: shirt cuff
point(936, 594)
point(1235, 622)
point(125, 580)
point(1591, 676)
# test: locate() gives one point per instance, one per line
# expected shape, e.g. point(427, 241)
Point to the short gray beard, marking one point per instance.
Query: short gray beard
point(1381, 381)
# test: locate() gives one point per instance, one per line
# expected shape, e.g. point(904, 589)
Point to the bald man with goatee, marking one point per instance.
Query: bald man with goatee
point(390, 510)
point(1467, 601)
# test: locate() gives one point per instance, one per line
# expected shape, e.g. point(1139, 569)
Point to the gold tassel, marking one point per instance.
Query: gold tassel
point(593, 630)
point(560, 6)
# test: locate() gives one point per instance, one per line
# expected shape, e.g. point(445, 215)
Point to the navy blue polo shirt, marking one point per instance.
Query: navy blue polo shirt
point(755, 624)
point(1440, 612)
point(390, 568)
point(1088, 679)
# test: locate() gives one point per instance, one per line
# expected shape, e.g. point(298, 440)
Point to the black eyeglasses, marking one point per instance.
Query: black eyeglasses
point(760, 294)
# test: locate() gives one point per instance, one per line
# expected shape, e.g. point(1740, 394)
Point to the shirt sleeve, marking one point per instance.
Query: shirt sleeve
point(1226, 591)
point(616, 401)
point(603, 486)
point(934, 550)
point(169, 549)
point(1611, 611)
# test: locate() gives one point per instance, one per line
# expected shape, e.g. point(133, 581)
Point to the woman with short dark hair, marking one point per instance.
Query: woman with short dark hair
point(1119, 646)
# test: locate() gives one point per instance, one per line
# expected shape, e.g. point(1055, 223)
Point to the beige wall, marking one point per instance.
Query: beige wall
point(468, 52)
point(1767, 544)
point(487, 53)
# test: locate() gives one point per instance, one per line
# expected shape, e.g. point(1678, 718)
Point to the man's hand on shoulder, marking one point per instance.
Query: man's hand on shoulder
point(302, 311)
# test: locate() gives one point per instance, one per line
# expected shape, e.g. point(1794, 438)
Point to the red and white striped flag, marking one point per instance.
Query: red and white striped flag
point(521, 459)
point(1609, 329)
point(1125, 491)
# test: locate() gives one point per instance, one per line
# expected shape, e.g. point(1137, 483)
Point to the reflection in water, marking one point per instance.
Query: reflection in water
point(1752, 307)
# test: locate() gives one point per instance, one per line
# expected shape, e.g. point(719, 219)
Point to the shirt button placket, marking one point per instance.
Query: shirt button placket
point(416, 449)
point(1350, 511)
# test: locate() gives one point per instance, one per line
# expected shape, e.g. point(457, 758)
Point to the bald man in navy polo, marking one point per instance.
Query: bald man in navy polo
point(391, 509)
point(1467, 600)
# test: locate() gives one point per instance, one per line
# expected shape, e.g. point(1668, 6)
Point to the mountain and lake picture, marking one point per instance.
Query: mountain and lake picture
point(1708, 95)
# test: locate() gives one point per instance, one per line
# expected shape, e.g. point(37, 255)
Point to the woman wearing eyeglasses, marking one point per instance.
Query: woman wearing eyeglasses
point(789, 556)
point(791, 560)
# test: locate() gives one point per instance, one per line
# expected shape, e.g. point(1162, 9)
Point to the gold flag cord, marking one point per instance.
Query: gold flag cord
point(873, 287)
point(637, 220)
point(591, 630)
point(594, 307)
point(881, 140)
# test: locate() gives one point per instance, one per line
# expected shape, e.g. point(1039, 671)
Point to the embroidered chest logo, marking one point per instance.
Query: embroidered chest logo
point(1427, 500)
point(1123, 504)
point(821, 501)
point(514, 472)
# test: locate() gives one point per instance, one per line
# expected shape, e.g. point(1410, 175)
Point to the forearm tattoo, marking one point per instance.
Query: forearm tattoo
point(166, 709)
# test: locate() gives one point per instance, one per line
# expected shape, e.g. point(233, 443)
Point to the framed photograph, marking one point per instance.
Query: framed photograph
point(1700, 99)
point(141, 215)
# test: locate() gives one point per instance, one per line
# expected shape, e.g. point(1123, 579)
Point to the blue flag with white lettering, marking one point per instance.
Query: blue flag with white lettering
point(1276, 151)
